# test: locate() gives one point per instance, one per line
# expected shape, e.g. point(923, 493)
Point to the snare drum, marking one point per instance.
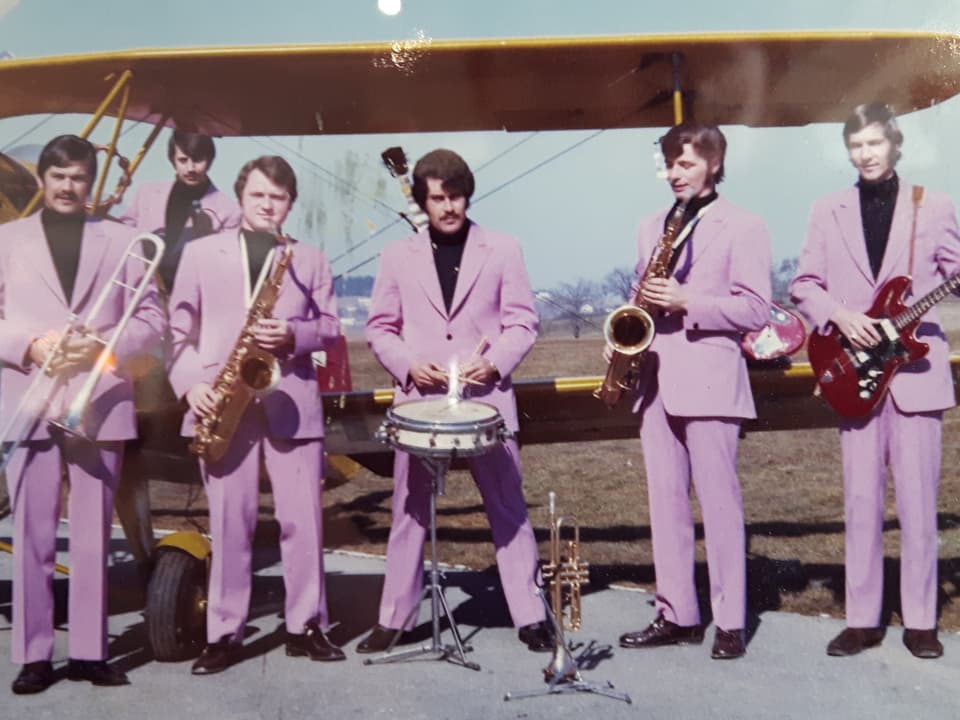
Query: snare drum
point(438, 428)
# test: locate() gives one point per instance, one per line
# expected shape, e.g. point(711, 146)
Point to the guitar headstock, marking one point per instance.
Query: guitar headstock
point(395, 160)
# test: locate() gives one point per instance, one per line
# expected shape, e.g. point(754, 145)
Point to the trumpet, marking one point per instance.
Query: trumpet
point(566, 573)
point(146, 248)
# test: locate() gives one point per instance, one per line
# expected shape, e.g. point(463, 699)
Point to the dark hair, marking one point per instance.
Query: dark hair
point(196, 147)
point(275, 168)
point(707, 141)
point(66, 149)
point(447, 167)
point(870, 113)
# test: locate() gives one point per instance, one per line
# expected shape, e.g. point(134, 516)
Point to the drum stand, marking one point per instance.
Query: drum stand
point(563, 672)
point(435, 650)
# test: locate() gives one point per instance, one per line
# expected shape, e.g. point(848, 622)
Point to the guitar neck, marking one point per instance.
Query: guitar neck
point(416, 216)
point(915, 311)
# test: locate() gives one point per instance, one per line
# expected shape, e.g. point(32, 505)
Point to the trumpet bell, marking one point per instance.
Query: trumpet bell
point(629, 329)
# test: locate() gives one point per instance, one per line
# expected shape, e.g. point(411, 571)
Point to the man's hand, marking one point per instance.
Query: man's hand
point(428, 376)
point(273, 334)
point(666, 293)
point(78, 352)
point(480, 370)
point(41, 347)
point(858, 328)
point(202, 400)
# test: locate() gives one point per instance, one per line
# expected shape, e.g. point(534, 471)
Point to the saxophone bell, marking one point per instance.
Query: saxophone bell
point(629, 329)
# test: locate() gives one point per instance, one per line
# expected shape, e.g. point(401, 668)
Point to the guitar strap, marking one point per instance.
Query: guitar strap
point(917, 202)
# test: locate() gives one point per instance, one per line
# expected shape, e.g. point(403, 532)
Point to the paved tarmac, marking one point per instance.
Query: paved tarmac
point(785, 674)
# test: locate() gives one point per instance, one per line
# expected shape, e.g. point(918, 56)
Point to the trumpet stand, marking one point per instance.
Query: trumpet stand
point(436, 650)
point(566, 574)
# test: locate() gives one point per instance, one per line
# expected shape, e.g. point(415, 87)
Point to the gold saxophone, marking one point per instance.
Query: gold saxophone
point(250, 371)
point(629, 329)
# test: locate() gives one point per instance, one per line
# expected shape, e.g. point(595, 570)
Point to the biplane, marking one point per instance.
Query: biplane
point(573, 83)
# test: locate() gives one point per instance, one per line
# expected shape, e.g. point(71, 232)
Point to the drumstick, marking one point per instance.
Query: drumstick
point(481, 346)
point(462, 379)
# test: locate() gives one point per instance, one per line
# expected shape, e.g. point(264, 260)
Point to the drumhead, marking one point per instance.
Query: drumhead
point(443, 412)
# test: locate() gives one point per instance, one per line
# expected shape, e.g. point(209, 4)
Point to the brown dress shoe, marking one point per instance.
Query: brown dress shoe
point(538, 637)
point(380, 638)
point(313, 643)
point(728, 644)
point(663, 632)
point(34, 677)
point(216, 657)
point(854, 640)
point(923, 643)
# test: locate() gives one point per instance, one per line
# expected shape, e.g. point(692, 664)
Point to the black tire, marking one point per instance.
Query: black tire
point(176, 605)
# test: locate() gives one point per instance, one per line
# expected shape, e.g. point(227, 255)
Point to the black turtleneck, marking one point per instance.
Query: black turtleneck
point(877, 201)
point(64, 235)
point(184, 201)
point(690, 212)
point(258, 247)
point(447, 254)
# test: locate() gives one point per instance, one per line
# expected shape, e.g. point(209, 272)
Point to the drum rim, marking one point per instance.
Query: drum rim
point(417, 425)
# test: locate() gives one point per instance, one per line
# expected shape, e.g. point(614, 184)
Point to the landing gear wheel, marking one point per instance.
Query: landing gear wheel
point(176, 605)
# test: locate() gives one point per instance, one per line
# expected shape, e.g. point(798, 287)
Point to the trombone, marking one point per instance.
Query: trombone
point(35, 401)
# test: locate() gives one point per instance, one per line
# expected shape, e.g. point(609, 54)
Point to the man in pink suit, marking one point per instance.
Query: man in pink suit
point(185, 208)
point(218, 278)
point(857, 240)
point(180, 210)
point(51, 264)
point(455, 291)
point(696, 391)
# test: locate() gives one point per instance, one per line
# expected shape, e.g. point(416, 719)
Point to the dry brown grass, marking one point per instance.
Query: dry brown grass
point(791, 487)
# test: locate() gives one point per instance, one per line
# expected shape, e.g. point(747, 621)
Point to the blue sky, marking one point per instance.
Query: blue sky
point(577, 216)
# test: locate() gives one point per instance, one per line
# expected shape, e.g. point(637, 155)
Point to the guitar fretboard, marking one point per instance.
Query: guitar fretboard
point(917, 310)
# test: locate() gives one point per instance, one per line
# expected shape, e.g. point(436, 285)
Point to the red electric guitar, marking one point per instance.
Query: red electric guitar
point(853, 381)
point(783, 335)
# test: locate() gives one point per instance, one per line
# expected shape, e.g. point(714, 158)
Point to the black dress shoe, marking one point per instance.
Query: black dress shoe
point(34, 677)
point(96, 672)
point(923, 643)
point(380, 639)
point(854, 640)
point(728, 644)
point(313, 643)
point(216, 657)
point(663, 632)
point(538, 637)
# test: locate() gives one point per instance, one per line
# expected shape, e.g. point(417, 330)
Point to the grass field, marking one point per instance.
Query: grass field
point(791, 487)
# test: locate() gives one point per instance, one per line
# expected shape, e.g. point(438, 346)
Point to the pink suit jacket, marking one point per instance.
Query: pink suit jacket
point(724, 269)
point(32, 302)
point(834, 270)
point(207, 312)
point(148, 209)
point(409, 323)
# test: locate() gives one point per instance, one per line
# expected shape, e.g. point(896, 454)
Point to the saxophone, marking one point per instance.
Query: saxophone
point(629, 329)
point(250, 371)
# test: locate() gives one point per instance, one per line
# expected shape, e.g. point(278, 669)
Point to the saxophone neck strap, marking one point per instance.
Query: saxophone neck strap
point(250, 292)
point(687, 230)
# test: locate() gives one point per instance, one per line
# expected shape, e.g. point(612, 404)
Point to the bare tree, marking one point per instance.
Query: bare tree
point(780, 280)
point(575, 303)
point(619, 282)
